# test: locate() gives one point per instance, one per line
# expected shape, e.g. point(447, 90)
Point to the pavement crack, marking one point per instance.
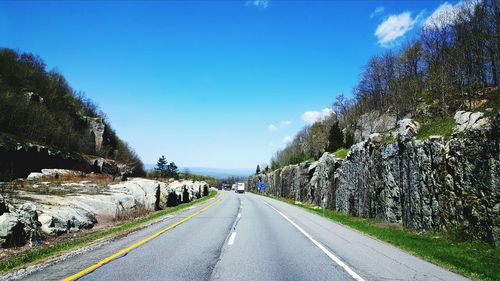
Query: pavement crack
point(220, 250)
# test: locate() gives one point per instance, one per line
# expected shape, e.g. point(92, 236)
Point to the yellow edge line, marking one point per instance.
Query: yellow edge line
point(137, 244)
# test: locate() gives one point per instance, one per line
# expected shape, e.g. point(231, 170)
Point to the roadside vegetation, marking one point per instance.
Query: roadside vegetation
point(452, 65)
point(45, 252)
point(474, 259)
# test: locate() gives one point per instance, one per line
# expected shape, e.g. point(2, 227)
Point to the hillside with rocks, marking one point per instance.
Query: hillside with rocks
point(435, 183)
point(44, 123)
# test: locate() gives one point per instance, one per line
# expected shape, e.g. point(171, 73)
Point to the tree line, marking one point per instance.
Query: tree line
point(453, 64)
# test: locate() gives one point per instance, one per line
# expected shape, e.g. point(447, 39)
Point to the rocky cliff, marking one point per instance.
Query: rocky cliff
point(29, 214)
point(431, 184)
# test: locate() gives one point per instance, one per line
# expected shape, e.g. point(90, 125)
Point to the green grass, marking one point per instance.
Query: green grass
point(44, 253)
point(476, 260)
point(341, 153)
point(436, 126)
point(388, 138)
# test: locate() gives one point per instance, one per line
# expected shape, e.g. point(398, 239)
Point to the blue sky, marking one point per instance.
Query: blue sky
point(211, 84)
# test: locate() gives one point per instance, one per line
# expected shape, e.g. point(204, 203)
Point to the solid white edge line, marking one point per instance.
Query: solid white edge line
point(231, 238)
point(322, 248)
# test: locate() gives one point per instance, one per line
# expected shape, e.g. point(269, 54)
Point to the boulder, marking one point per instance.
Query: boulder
point(55, 220)
point(28, 216)
point(108, 166)
point(470, 121)
point(33, 97)
point(51, 173)
point(407, 130)
point(11, 231)
point(375, 138)
point(144, 191)
point(19, 226)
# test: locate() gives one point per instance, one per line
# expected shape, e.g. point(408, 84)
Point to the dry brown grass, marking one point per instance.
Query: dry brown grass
point(102, 179)
point(139, 211)
point(53, 185)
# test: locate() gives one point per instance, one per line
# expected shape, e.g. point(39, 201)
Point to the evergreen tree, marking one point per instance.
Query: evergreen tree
point(349, 139)
point(172, 170)
point(335, 138)
point(257, 171)
point(161, 166)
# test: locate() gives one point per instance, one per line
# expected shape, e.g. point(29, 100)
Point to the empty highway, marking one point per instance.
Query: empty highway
point(244, 237)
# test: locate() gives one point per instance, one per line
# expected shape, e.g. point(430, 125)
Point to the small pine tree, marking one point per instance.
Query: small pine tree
point(335, 138)
point(172, 170)
point(257, 171)
point(161, 166)
point(349, 139)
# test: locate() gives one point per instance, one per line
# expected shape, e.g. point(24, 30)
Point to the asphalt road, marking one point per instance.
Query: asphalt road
point(248, 237)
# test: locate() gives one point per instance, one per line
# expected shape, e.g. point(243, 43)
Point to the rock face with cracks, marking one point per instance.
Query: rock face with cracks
point(18, 225)
point(26, 219)
point(433, 184)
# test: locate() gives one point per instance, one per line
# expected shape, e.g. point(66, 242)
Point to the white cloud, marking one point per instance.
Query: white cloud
point(272, 127)
point(378, 10)
point(394, 27)
point(263, 4)
point(313, 116)
point(287, 139)
point(446, 14)
point(286, 123)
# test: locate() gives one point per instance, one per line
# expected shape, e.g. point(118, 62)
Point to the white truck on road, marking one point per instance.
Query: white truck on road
point(240, 187)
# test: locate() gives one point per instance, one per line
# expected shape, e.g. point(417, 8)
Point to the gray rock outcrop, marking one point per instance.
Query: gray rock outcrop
point(426, 185)
point(85, 205)
point(374, 122)
point(18, 225)
point(92, 134)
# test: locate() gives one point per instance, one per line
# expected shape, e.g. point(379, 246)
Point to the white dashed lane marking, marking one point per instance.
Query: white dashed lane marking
point(231, 239)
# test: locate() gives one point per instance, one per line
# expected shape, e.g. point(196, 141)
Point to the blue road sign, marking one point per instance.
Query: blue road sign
point(261, 185)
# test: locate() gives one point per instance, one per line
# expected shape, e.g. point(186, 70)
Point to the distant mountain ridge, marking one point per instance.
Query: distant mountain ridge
point(218, 173)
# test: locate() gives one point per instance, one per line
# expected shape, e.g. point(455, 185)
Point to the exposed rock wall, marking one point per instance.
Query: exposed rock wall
point(92, 134)
point(425, 185)
point(373, 122)
point(31, 214)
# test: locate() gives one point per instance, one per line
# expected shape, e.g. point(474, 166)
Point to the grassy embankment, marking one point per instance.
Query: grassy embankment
point(474, 259)
point(436, 126)
point(123, 228)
